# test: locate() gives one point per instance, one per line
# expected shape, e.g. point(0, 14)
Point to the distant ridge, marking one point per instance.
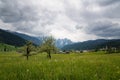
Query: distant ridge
point(92, 44)
point(35, 40)
point(11, 39)
point(19, 39)
point(38, 40)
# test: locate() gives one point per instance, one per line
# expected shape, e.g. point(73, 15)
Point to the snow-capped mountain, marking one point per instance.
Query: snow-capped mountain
point(38, 40)
point(62, 42)
point(59, 42)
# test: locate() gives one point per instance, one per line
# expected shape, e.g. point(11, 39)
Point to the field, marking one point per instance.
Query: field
point(88, 66)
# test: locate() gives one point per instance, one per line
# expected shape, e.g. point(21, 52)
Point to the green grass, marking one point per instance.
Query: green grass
point(89, 66)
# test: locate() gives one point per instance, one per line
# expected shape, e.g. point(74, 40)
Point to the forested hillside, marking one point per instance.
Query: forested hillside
point(93, 44)
point(11, 39)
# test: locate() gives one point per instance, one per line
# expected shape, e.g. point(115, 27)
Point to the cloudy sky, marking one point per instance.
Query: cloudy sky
point(78, 20)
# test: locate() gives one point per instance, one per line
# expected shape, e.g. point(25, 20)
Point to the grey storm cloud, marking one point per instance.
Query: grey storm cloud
point(101, 17)
point(12, 11)
point(25, 17)
point(104, 29)
point(73, 19)
point(107, 2)
point(91, 10)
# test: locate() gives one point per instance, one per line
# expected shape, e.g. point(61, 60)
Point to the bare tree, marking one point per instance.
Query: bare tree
point(48, 46)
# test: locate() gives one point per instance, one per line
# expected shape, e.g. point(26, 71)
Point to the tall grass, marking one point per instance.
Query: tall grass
point(90, 66)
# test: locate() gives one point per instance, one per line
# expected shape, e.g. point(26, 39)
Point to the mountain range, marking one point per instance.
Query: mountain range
point(11, 39)
point(35, 40)
point(93, 44)
point(19, 39)
point(38, 40)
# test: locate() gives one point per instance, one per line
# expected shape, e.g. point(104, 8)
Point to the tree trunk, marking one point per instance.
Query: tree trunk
point(27, 53)
point(49, 55)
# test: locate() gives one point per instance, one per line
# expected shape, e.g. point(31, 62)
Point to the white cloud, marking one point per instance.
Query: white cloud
point(72, 19)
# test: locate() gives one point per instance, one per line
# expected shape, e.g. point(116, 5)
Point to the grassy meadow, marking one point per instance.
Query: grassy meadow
point(82, 66)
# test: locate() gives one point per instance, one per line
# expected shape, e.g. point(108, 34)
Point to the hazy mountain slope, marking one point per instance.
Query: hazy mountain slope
point(11, 39)
point(35, 40)
point(92, 44)
point(38, 40)
point(62, 42)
